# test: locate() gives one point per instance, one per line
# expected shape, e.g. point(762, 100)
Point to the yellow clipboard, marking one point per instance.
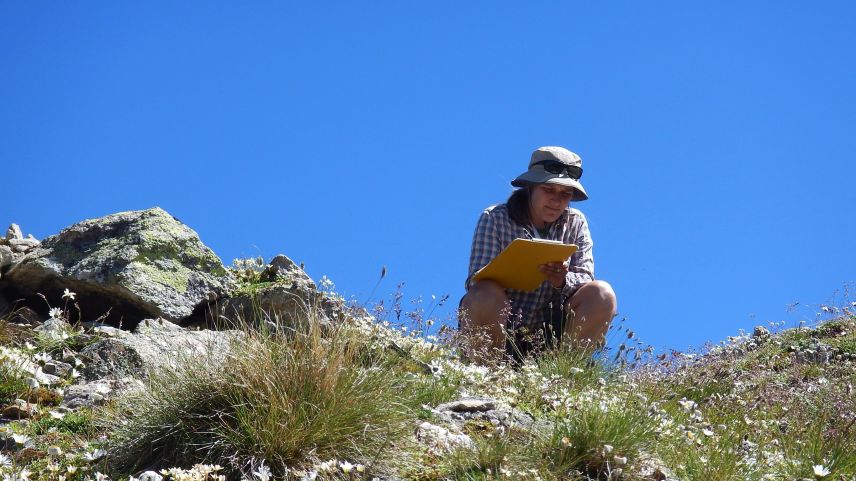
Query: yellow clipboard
point(516, 267)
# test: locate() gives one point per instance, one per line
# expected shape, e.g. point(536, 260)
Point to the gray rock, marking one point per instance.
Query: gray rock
point(488, 410)
point(284, 269)
point(21, 246)
point(440, 440)
point(286, 296)
point(761, 332)
point(153, 344)
point(111, 359)
point(469, 405)
point(53, 327)
point(57, 368)
point(273, 305)
point(6, 257)
point(14, 232)
point(96, 393)
point(131, 266)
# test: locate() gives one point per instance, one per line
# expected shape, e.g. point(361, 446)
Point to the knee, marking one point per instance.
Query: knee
point(485, 293)
point(605, 292)
point(599, 292)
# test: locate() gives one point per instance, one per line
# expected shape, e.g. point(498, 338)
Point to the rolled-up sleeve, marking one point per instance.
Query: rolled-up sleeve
point(581, 268)
point(486, 245)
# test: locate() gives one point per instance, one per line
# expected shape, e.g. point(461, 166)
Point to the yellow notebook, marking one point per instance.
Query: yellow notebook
point(516, 267)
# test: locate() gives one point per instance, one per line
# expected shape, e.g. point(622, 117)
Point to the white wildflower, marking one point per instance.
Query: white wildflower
point(687, 405)
point(21, 439)
point(32, 382)
point(620, 460)
point(94, 455)
point(575, 370)
point(607, 448)
point(68, 295)
point(263, 473)
point(361, 468)
point(5, 461)
point(310, 476)
point(346, 467)
point(42, 358)
point(55, 313)
point(820, 470)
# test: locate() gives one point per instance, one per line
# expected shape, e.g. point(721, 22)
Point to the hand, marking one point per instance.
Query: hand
point(555, 272)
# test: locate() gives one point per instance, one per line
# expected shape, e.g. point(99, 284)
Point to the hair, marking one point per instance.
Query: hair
point(518, 206)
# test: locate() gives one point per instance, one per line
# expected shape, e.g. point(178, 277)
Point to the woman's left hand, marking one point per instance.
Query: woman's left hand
point(555, 272)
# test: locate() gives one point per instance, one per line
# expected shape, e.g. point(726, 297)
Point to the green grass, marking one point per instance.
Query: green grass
point(76, 423)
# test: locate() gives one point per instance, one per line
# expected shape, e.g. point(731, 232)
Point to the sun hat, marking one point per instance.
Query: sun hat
point(554, 165)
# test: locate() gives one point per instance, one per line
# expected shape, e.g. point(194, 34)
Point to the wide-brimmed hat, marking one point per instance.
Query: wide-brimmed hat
point(545, 168)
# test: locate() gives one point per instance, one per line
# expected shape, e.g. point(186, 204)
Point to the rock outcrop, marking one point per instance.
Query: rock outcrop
point(124, 267)
point(285, 294)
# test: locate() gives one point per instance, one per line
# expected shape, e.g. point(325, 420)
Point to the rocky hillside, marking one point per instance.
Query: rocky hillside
point(130, 352)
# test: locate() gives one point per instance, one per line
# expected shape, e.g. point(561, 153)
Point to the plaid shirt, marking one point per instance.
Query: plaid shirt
point(495, 230)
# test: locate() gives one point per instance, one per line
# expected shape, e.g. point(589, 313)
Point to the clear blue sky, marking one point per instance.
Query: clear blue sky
point(718, 138)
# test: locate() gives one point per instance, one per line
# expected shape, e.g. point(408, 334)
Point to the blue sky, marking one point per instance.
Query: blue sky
point(717, 138)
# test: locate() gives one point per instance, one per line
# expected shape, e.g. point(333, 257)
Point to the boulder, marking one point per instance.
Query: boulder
point(124, 267)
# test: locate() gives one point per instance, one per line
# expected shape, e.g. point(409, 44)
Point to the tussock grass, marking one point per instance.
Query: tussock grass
point(291, 397)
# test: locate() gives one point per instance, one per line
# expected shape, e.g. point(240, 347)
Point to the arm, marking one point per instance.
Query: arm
point(486, 245)
point(581, 266)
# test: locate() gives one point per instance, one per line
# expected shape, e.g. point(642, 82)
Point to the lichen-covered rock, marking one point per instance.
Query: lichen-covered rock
point(128, 266)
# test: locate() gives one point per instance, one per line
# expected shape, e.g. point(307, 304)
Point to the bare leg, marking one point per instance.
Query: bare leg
point(483, 318)
point(590, 311)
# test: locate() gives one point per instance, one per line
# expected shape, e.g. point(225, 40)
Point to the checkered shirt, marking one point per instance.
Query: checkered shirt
point(495, 230)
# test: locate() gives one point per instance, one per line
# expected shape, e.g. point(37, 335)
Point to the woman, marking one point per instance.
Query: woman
point(570, 301)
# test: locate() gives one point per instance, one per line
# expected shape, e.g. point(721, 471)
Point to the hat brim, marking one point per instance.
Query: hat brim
point(536, 177)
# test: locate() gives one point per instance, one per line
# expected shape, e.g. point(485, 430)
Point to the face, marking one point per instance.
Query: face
point(547, 202)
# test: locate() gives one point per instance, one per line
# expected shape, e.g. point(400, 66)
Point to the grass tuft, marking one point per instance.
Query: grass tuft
point(291, 397)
